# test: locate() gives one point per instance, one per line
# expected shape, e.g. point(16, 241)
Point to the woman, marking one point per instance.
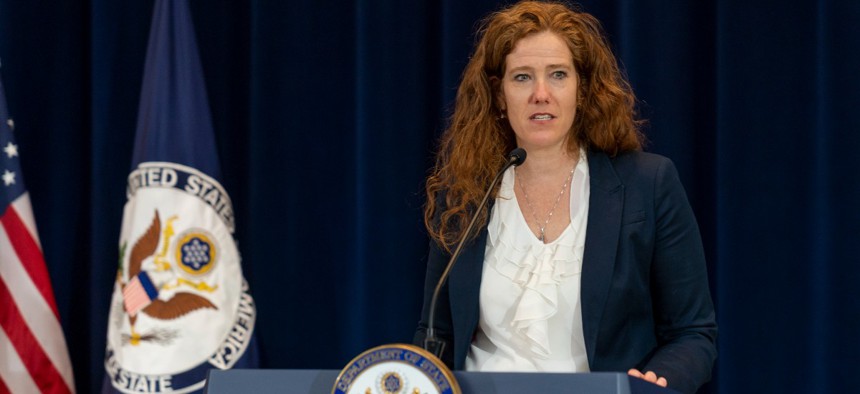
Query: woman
point(589, 258)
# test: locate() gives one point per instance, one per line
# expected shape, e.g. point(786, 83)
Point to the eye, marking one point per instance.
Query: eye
point(521, 77)
point(559, 74)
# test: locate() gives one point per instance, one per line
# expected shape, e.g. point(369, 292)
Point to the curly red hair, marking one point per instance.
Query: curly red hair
point(475, 144)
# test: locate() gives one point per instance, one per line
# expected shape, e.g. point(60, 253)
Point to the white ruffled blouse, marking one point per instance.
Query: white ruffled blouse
point(530, 313)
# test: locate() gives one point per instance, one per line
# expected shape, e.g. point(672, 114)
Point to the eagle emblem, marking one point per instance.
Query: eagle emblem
point(141, 294)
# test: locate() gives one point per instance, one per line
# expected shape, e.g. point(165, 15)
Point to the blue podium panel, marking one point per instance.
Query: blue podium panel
point(316, 381)
point(511, 382)
point(270, 381)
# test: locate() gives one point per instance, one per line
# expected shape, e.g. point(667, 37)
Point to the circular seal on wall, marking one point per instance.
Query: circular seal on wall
point(396, 369)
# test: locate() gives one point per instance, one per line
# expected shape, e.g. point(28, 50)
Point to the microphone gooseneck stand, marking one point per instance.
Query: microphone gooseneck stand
point(431, 343)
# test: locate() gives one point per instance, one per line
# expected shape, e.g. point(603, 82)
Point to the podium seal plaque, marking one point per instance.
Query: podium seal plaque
point(396, 369)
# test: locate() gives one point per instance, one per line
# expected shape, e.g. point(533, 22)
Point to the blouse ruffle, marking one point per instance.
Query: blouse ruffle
point(538, 268)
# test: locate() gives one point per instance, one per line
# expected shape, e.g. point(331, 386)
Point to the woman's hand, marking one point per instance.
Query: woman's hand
point(648, 377)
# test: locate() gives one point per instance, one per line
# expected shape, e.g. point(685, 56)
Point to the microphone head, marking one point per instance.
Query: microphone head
point(517, 156)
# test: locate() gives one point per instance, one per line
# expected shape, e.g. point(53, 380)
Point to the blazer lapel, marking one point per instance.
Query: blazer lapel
point(601, 242)
point(464, 284)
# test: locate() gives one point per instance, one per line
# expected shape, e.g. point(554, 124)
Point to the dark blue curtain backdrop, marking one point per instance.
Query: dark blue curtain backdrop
point(327, 112)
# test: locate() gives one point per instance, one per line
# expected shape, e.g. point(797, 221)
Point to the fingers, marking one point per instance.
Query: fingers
point(651, 377)
point(648, 376)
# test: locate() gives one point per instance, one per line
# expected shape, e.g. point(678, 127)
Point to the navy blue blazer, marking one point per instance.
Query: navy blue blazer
point(644, 291)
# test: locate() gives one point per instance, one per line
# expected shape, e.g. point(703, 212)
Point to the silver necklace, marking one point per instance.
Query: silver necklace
point(542, 227)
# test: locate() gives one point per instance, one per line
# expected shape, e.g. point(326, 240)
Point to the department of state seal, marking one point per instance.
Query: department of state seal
point(396, 369)
point(180, 304)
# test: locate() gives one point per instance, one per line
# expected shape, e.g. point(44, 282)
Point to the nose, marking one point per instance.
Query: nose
point(541, 93)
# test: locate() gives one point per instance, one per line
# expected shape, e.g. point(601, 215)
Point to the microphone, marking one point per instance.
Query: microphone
point(431, 343)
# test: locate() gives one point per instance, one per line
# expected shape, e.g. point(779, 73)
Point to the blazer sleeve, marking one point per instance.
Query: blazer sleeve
point(437, 259)
point(685, 323)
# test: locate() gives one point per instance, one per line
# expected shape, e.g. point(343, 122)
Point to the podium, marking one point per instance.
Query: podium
point(320, 381)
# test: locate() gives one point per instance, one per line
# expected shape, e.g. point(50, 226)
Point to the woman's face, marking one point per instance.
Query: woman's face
point(538, 91)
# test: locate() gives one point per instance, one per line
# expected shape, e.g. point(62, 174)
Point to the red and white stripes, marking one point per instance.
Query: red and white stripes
point(33, 353)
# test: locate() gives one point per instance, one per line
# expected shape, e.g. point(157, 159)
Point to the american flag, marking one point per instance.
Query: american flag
point(33, 353)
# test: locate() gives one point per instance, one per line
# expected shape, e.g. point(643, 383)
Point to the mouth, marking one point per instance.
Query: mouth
point(542, 117)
